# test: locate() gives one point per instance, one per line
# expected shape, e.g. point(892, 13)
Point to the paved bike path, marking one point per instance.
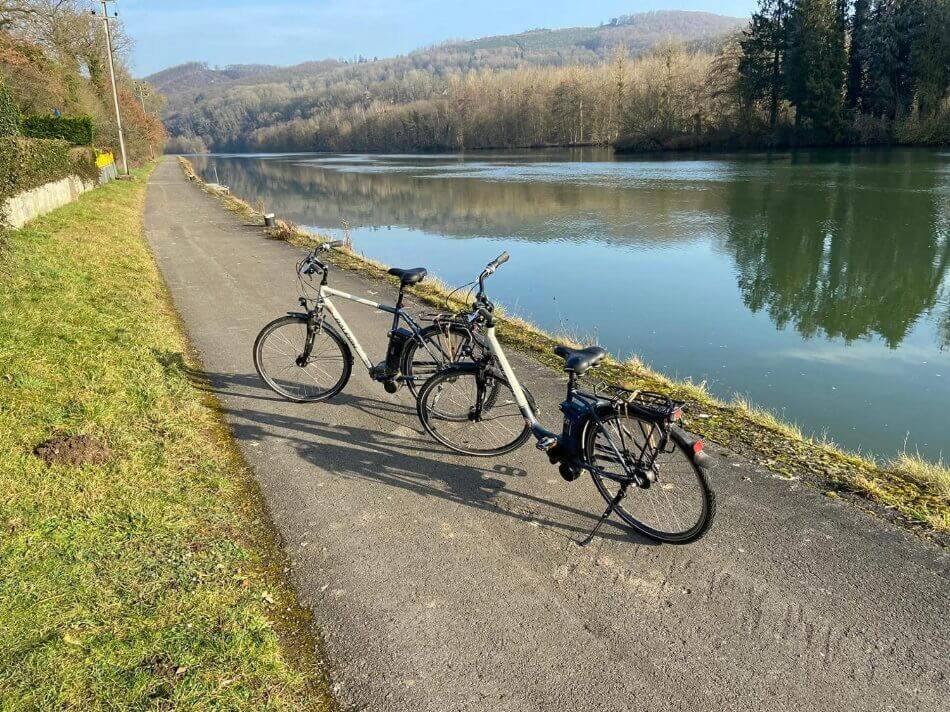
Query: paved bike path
point(444, 583)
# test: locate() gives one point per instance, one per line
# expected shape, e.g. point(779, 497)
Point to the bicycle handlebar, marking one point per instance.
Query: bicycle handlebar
point(489, 271)
point(497, 262)
point(311, 264)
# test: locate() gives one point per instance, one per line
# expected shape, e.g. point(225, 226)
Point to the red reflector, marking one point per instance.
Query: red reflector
point(698, 446)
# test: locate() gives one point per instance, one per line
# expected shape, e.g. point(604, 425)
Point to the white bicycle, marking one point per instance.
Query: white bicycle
point(304, 358)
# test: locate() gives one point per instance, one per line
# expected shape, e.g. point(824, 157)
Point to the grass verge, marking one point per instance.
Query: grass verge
point(138, 571)
point(907, 489)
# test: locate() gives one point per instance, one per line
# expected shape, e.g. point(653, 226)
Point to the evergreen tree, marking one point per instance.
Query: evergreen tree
point(815, 66)
point(897, 32)
point(859, 51)
point(930, 55)
point(762, 64)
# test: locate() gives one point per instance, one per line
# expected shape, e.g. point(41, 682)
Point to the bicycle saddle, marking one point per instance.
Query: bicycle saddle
point(409, 276)
point(579, 360)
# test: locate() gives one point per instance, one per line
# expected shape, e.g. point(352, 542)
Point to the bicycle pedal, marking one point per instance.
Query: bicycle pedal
point(546, 443)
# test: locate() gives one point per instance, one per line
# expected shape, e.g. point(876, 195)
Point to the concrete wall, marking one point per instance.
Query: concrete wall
point(108, 172)
point(23, 207)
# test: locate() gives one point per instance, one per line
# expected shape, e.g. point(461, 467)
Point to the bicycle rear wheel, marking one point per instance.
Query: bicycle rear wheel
point(439, 346)
point(678, 507)
point(278, 358)
point(472, 415)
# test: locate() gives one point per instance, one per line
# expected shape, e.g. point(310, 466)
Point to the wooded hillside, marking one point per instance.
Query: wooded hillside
point(234, 112)
point(801, 72)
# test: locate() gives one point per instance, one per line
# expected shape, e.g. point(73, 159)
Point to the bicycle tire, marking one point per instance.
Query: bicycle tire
point(416, 372)
point(705, 501)
point(431, 415)
point(298, 324)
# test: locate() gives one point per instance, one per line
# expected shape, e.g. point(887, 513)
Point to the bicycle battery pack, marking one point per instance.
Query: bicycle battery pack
point(397, 342)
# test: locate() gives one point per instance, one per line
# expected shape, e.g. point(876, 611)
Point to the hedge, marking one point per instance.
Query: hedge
point(75, 129)
point(27, 163)
point(9, 113)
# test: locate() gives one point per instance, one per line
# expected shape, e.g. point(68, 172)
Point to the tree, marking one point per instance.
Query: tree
point(762, 64)
point(898, 28)
point(859, 52)
point(930, 56)
point(816, 66)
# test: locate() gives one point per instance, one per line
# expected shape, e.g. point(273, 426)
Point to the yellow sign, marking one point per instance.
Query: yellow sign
point(104, 159)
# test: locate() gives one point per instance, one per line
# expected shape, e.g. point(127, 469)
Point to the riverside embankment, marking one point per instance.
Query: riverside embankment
point(445, 583)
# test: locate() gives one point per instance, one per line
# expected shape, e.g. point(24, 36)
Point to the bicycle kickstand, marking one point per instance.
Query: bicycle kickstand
point(606, 515)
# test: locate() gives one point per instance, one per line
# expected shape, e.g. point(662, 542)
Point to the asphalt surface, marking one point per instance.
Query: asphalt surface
point(444, 583)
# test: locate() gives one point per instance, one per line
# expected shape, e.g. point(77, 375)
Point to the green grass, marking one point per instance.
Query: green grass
point(152, 581)
point(917, 490)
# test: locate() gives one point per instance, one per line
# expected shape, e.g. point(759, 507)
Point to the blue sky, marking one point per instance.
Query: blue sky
point(169, 32)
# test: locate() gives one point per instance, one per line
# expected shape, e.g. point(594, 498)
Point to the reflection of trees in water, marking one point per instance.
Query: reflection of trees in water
point(534, 210)
point(848, 249)
point(835, 244)
point(943, 328)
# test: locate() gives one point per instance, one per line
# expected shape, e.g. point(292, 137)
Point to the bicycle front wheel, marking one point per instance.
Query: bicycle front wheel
point(678, 506)
point(472, 415)
point(280, 361)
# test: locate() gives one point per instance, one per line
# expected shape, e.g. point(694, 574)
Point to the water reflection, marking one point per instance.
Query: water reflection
point(838, 244)
point(860, 250)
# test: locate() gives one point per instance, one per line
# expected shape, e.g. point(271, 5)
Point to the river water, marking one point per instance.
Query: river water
point(811, 283)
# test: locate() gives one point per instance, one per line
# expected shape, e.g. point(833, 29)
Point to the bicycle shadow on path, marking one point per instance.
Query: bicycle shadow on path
point(406, 459)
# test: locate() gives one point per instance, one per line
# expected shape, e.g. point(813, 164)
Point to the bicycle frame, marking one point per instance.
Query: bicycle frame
point(555, 445)
point(529, 415)
point(399, 315)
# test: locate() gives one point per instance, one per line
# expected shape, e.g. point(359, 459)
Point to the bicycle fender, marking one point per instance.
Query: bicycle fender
point(299, 315)
point(694, 446)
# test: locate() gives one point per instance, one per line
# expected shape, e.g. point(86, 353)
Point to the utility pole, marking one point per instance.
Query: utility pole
point(138, 86)
point(115, 93)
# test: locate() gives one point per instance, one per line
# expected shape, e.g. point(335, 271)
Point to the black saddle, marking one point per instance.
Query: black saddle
point(409, 276)
point(579, 360)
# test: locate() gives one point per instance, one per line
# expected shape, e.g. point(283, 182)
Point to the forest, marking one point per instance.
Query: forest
point(801, 72)
point(53, 60)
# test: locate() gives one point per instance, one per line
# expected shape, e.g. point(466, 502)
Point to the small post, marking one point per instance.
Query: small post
point(269, 220)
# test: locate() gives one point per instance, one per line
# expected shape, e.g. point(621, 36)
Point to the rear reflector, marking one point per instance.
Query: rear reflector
point(698, 446)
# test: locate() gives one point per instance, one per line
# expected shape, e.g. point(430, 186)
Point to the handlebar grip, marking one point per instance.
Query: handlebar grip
point(499, 261)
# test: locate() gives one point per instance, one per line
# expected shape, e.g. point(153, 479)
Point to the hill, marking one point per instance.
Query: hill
point(233, 108)
point(638, 33)
point(197, 76)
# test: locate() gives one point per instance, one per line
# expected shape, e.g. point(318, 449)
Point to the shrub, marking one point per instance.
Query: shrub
point(75, 129)
point(27, 163)
point(9, 113)
point(931, 131)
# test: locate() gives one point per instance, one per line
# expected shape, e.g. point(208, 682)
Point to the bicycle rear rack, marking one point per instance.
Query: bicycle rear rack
point(646, 404)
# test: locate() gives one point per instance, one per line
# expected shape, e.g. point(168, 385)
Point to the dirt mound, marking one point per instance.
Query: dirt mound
point(73, 450)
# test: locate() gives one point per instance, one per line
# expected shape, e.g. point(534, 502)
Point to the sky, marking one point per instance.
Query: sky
point(221, 32)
